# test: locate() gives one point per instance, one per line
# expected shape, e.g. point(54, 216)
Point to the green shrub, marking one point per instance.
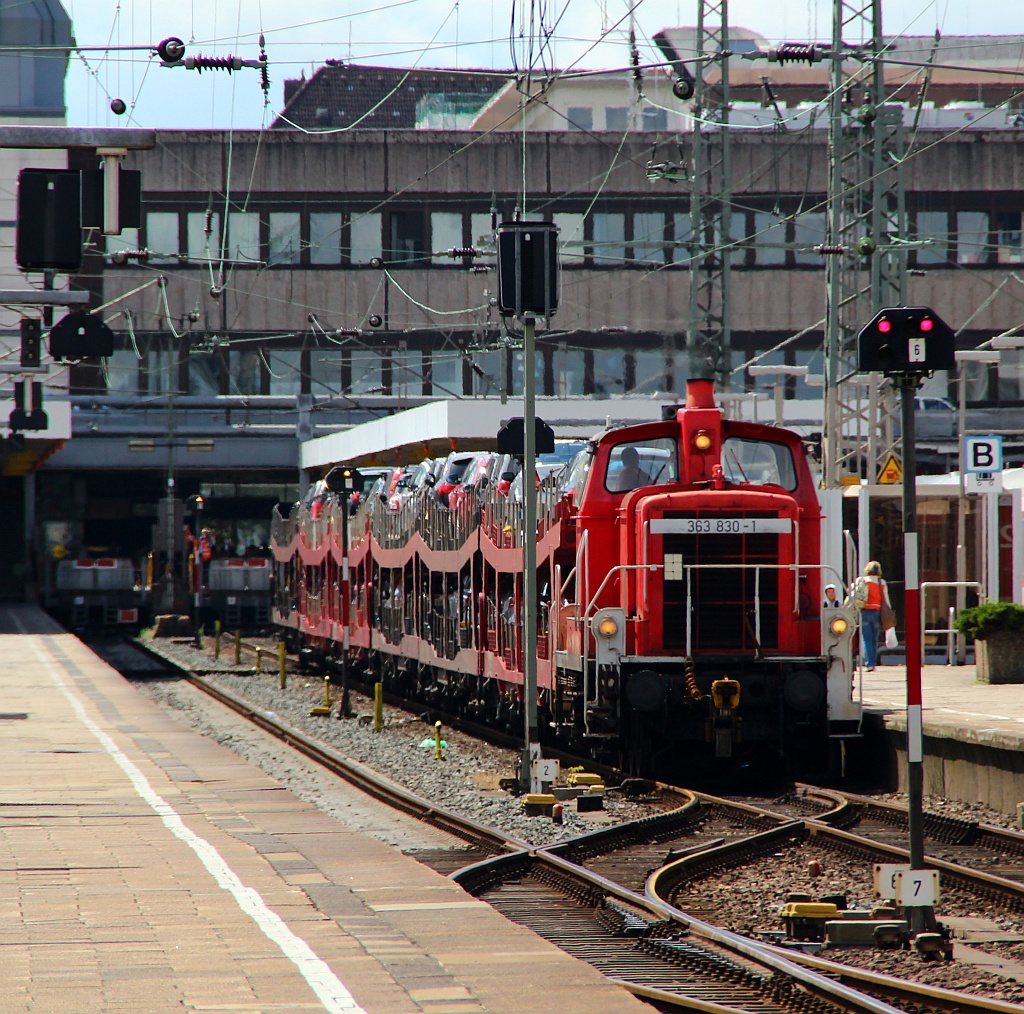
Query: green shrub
point(991, 618)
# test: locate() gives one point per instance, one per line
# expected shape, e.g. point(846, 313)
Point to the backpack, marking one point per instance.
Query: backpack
point(858, 596)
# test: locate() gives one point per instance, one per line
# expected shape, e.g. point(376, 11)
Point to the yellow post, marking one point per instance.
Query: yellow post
point(325, 708)
point(281, 664)
point(238, 647)
point(437, 741)
point(378, 707)
point(216, 638)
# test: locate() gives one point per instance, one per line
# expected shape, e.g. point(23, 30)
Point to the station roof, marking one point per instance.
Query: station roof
point(433, 430)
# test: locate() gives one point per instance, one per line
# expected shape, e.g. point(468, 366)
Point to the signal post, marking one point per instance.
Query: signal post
point(908, 344)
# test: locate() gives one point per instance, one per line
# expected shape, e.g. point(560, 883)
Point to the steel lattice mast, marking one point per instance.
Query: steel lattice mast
point(708, 332)
point(866, 230)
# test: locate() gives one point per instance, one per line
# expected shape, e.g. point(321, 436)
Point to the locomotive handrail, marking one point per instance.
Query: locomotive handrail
point(585, 633)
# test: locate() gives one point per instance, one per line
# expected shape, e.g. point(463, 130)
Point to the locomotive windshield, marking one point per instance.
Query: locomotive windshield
point(759, 462)
point(638, 463)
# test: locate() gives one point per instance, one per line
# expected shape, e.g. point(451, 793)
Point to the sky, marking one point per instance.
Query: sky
point(406, 33)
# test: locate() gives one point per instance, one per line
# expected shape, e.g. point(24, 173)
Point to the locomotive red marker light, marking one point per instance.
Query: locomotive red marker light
point(927, 324)
point(885, 326)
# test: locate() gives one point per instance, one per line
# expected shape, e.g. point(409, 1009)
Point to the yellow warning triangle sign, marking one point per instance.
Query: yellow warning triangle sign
point(891, 472)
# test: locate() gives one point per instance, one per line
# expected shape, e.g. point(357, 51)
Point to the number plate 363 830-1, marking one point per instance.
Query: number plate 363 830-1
point(720, 526)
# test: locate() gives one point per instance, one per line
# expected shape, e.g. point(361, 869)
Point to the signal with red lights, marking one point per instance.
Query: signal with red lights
point(906, 341)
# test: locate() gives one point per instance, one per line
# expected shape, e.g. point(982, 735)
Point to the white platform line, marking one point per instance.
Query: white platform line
point(329, 989)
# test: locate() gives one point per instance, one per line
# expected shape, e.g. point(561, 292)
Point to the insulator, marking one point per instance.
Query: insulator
point(122, 256)
point(208, 222)
point(827, 249)
point(462, 251)
point(201, 63)
point(794, 52)
point(689, 672)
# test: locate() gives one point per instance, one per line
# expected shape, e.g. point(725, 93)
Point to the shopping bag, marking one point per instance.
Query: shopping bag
point(891, 640)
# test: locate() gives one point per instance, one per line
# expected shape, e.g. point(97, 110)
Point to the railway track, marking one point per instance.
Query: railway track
point(591, 895)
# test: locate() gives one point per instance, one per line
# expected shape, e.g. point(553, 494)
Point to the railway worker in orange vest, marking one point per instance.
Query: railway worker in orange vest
point(869, 592)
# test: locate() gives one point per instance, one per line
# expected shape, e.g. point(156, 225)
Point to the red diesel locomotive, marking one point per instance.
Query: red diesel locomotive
point(680, 581)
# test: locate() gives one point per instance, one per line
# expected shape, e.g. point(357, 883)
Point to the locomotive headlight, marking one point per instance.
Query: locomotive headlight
point(702, 440)
point(608, 626)
point(839, 626)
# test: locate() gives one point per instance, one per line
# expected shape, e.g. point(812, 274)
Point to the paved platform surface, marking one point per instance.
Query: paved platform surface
point(955, 704)
point(146, 868)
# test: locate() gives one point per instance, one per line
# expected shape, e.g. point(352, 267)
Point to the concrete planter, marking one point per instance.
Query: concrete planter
point(1000, 657)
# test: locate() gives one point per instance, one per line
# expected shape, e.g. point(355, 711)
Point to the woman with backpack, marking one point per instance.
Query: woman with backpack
point(870, 592)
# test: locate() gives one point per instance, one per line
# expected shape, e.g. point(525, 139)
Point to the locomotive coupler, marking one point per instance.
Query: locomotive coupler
point(724, 724)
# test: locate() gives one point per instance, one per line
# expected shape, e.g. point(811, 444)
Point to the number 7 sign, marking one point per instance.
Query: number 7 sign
point(917, 888)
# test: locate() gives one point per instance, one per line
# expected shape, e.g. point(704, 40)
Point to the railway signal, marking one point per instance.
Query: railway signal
point(907, 344)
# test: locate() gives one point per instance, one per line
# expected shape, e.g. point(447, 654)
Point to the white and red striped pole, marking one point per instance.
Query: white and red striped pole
point(920, 917)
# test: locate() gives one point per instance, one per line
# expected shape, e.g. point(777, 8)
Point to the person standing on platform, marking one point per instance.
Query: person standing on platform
point(831, 599)
point(869, 592)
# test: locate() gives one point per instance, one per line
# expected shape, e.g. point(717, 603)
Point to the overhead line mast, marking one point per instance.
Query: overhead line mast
point(865, 265)
point(708, 338)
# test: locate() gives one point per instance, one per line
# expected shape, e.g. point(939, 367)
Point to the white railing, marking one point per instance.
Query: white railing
point(950, 631)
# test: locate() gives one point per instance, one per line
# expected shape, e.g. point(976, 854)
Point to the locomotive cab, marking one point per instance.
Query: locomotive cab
point(698, 541)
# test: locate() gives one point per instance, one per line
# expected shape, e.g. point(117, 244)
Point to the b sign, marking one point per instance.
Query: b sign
point(983, 454)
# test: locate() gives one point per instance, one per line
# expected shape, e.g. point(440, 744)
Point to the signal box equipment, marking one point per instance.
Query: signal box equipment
point(48, 233)
point(527, 269)
point(906, 341)
point(79, 335)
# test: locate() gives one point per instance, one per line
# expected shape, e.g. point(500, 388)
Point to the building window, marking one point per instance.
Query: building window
point(285, 238)
point(481, 235)
point(681, 237)
point(325, 372)
point(609, 372)
point(161, 371)
point(655, 119)
point(1011, 376)
point(972, 237)
point(406, 239)
point(649, 237)
point(808, 232)
point(609, 235)
point(325, 237)
point(244, 373)
point(367, 374)
point(244, 236)
point(445, 233)
point(121, 372)
point(931, 227)
point(204, 373)
point(648, 371)
point(407, 372)
point(1008, 237)
point(486, 379)
point(364, 237)
point(446, 373)
point(580, 118)
point(162, 236)
point(203, 245)
point(616, 118)
point(285, 369)
point(570, 237)
point(769, 239)
point(568, 370)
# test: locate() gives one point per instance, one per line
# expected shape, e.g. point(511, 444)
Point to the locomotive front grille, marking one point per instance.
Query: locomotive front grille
point(729, 579)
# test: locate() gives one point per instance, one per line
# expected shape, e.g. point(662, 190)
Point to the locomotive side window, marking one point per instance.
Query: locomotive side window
point(638, 463)
point(759, 462)
point(574, 479)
